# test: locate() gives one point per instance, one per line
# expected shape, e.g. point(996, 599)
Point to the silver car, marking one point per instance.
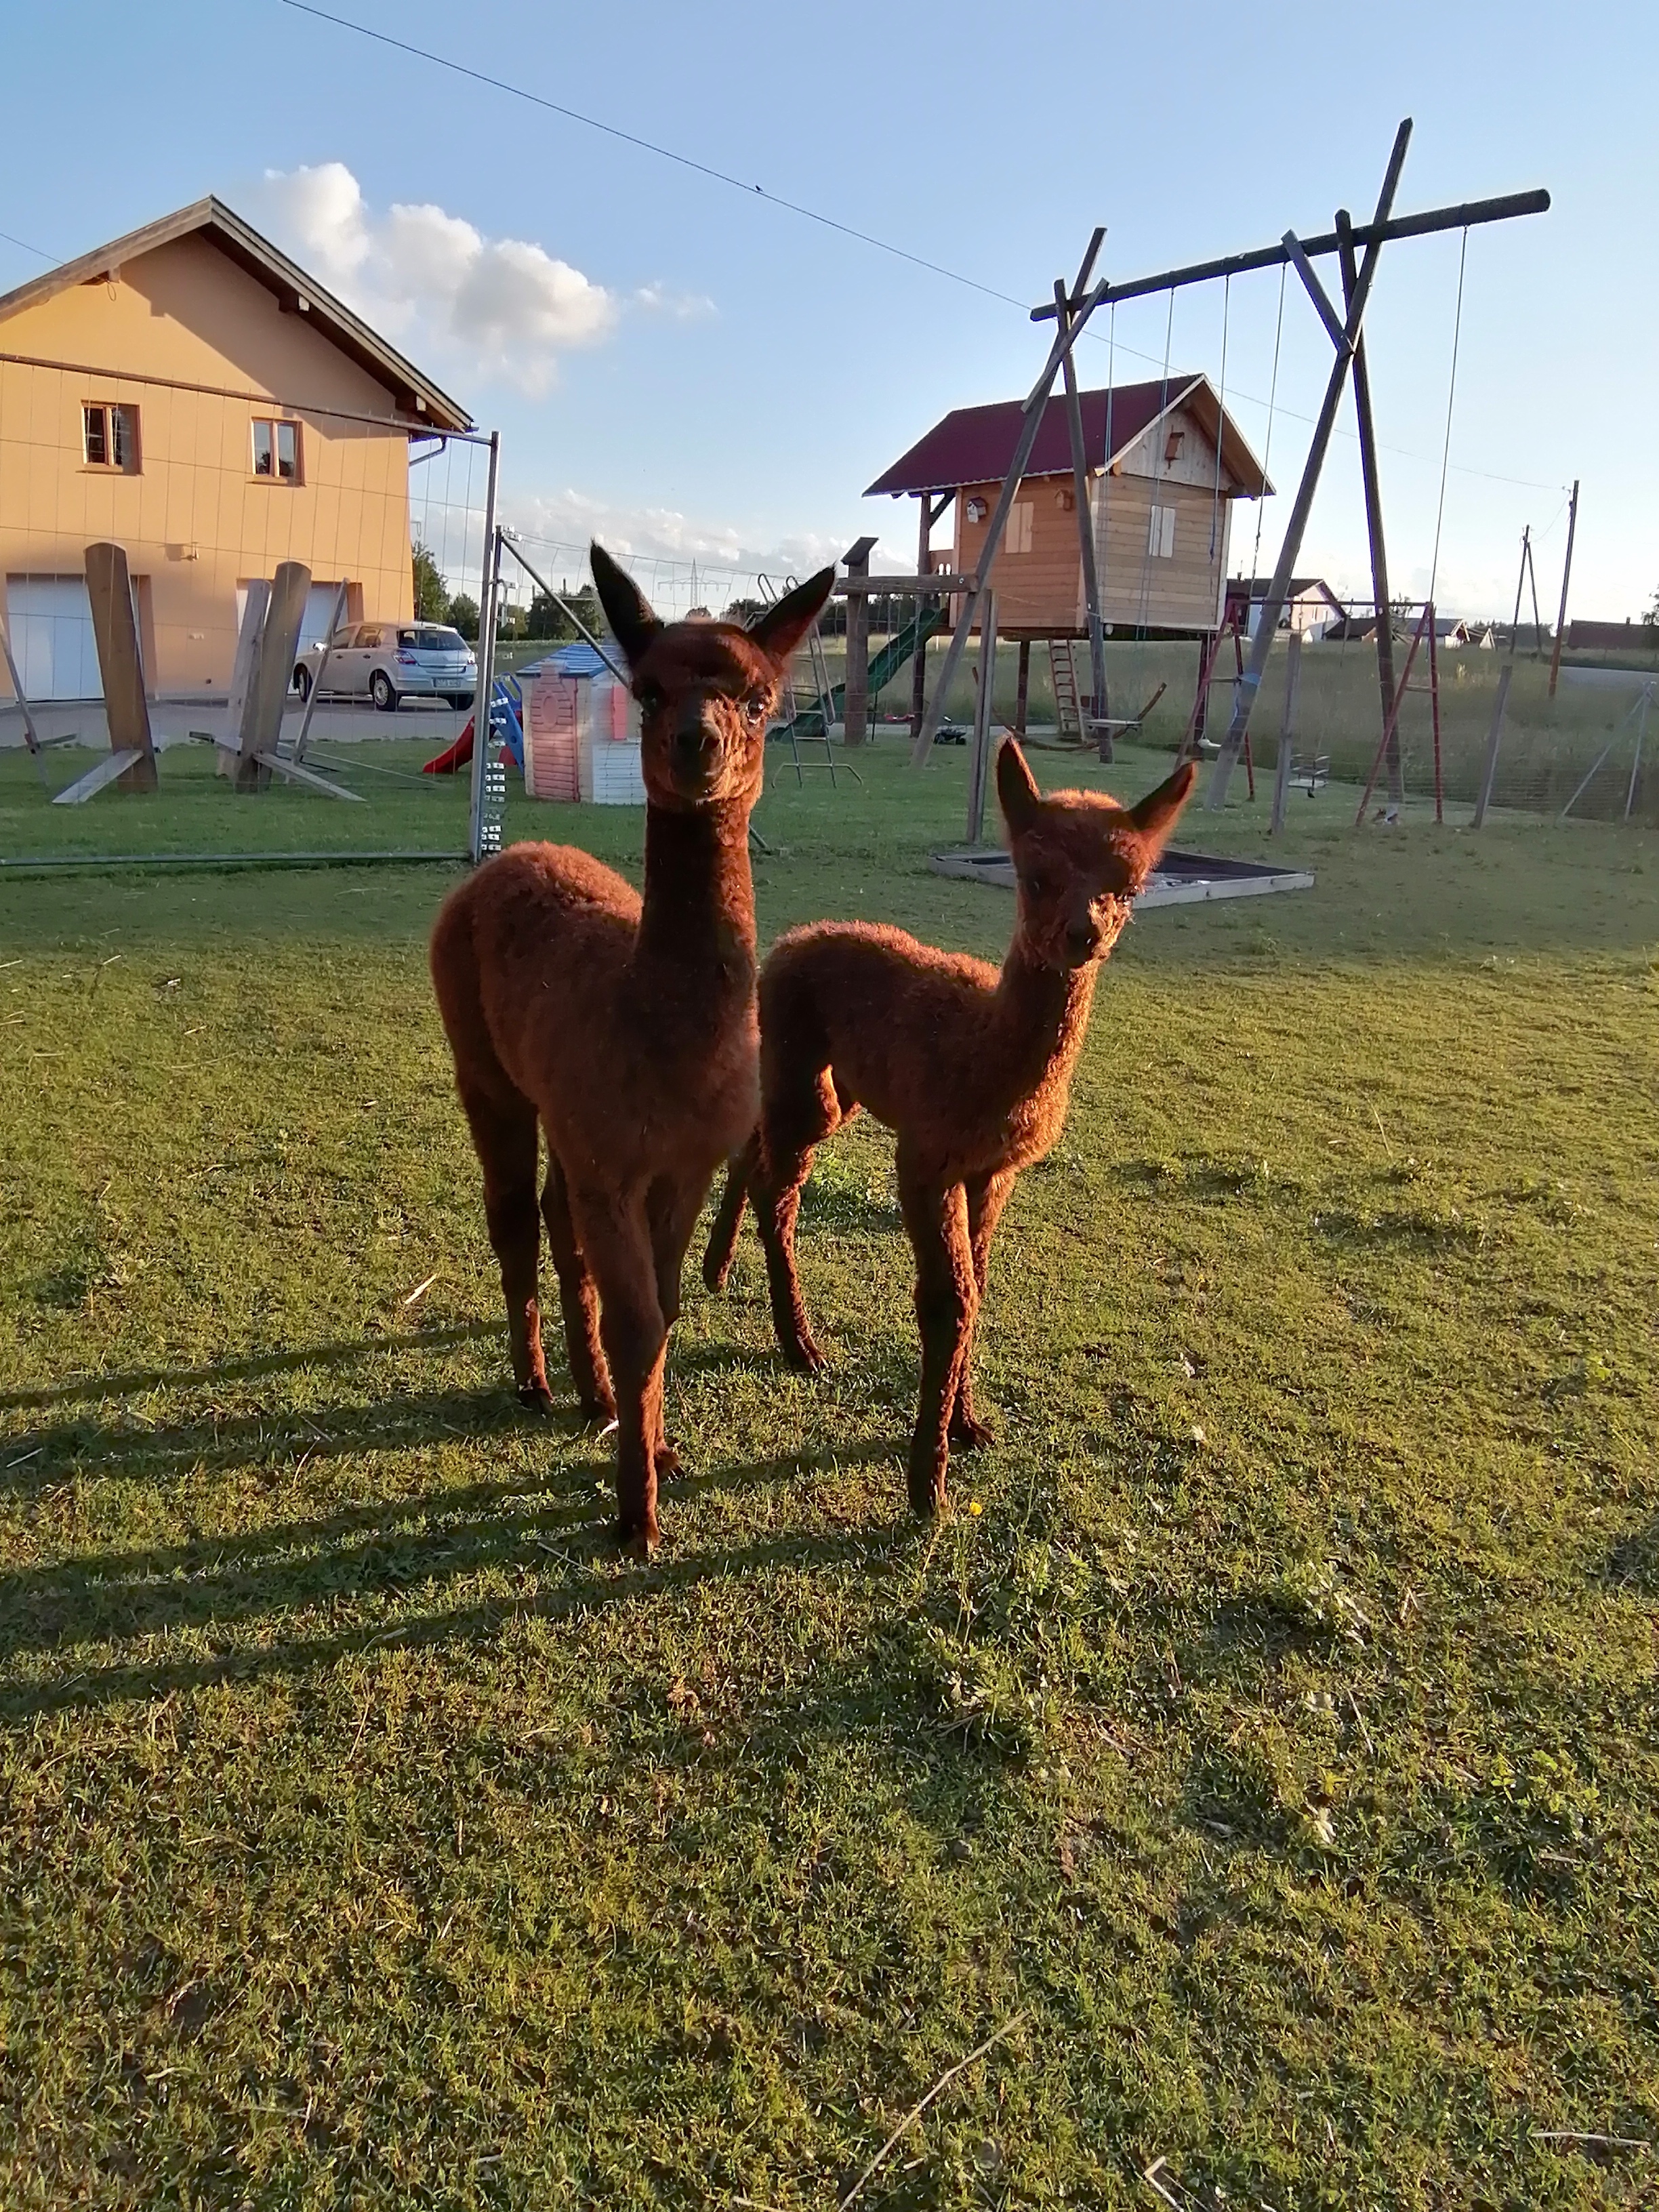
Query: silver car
point(386, 661)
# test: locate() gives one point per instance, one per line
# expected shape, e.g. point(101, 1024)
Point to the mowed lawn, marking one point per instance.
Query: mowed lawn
point(1263, 1748)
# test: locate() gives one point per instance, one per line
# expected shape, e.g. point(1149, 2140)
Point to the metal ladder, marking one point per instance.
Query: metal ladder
point(1068, 709)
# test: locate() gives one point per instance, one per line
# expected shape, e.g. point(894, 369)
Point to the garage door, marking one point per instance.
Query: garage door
point(50, 618)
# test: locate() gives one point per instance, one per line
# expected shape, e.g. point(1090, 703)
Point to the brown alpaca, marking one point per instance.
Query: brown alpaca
point(626, 1027)
point(970, 1068)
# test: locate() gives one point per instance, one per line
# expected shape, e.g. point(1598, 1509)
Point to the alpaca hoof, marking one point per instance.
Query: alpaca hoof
point(535, 1397)
point(805, 1357)
point(968, 1434)
point(927, 1492)
point(640, 1543)
point(597, 1413)
point(714, 1274)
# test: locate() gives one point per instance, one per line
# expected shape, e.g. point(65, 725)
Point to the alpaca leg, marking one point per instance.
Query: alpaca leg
point(987, 1195)
point(936, 1216)
point(723, 1236)
point(617, 1240)
point(793, 1126)
point(504, 1138)
point(578, 1300)
point(671, 1210)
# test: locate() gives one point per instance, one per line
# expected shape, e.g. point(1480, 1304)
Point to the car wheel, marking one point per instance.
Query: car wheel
point(303, 682)
point(458, 699)
point(380, 692)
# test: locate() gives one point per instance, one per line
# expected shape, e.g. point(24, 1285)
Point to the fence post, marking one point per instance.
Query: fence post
point(484, 685)
point(1489, 773)
point(981, 753)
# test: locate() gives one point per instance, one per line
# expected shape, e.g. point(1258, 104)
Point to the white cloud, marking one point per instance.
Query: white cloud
point(657, 299)
point(502, 309)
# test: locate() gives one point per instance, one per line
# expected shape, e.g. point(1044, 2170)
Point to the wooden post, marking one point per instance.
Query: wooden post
point(1537, 620)
point(1021, 688)
point(1519, 586)
point(120, 663)
point(1566, 578)
point(1489, 773)
point(1036, 407)
point(1434, 715)
point(979, 763)
point(925, 517)
point(31, 735)
point(1085, 534)
point(856, 710)
point(1233, 743)
point(334, 621)
point(1287, 734)
point(262, 716)
point(1361, 408)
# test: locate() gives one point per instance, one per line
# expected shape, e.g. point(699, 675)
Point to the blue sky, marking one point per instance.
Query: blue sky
point(693, 370)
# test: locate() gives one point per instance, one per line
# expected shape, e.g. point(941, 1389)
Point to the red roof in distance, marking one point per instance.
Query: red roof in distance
point(975, 445)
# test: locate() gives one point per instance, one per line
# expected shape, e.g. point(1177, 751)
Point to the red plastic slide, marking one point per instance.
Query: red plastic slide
point(455, 756)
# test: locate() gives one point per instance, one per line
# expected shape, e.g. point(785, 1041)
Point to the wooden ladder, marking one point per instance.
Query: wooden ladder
point(1069, 711)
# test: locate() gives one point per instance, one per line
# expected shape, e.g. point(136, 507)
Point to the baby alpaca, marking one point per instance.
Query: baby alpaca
point(970, 1068)
point(626, 1027)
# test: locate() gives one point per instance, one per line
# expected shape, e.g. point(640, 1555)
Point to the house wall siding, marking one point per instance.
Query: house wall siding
point(194, 519)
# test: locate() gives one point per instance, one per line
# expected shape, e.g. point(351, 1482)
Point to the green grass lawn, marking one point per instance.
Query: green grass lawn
point(1272, 1754)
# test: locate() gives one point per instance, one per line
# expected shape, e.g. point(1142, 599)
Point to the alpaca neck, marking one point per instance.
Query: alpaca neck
point(699, 907)
point(1041, 1017)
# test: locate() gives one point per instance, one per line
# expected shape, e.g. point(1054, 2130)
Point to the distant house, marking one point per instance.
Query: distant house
point(1164, 463)
point(1451, 632)
point(191, 393)
point(1310, 609)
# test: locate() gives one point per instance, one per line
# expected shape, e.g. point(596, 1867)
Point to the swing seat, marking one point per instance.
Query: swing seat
point(1312, 775)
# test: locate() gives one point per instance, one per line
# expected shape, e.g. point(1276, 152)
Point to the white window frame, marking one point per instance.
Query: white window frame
point(274, 425)
point(119, 420)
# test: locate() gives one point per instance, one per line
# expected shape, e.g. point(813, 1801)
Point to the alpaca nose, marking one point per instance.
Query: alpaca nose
point(694, 743)
point(1083, 941)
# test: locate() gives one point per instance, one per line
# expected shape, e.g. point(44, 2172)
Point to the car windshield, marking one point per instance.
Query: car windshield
point(433, 640)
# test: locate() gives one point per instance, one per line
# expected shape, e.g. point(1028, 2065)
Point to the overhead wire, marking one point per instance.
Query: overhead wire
point(1451, 394)
point(753, 192)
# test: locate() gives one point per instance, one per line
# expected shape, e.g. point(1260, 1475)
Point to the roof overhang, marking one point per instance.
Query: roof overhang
point(427, 406)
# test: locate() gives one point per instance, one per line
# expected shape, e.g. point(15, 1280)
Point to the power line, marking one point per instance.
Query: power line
point(39, 253)
point(650, 146)
point(752, 191)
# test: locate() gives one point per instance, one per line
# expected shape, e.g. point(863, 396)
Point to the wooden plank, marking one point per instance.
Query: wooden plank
point(78, 792)
point(335, 622)
point(979, 765)
point(308, 776)
point(120, 663)
point(31, 735)
point(244, 670)
point(1362, 406)
point(262, 718)
point(855, 697)
point(854, 586)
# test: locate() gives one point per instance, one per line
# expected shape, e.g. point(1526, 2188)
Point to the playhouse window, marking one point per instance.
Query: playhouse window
point(1160, 533)
point(110, 436)
point(277, 451)
point(1019, 537)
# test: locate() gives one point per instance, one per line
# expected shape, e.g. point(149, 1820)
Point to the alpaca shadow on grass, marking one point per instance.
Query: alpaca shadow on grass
point(255, 1364)
point(371, 1552)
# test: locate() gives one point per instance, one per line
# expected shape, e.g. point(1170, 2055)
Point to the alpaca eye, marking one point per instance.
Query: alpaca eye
point(1036, 885)
point(756, 709)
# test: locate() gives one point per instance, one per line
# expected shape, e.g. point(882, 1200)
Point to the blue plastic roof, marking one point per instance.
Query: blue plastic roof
point(577, 659)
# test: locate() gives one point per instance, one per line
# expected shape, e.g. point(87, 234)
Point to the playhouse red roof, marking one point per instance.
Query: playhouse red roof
point(975, 445)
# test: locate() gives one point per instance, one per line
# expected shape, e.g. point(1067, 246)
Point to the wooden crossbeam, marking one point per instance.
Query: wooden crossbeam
point(85, 787)
point(308, 776)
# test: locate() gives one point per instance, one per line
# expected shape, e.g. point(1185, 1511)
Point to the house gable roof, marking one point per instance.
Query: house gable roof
point(413, 393)
point(975, 445)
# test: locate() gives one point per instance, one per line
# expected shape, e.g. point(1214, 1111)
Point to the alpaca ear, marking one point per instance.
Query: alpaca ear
point(1155, 817)
point(626, 608)
point(781, 627)
point(1017, 790)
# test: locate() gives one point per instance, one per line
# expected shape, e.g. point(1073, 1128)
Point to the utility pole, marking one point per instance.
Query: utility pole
point(1566, 578)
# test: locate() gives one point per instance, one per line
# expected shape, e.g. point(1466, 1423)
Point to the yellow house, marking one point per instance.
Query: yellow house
point(191, 393)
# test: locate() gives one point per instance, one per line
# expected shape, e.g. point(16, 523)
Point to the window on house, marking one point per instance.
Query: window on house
point(277, 451)
point(110, 435)
point(1160, 533)
point(1016, 539)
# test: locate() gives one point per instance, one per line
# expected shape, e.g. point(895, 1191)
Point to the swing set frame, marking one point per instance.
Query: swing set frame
point(1356, 247)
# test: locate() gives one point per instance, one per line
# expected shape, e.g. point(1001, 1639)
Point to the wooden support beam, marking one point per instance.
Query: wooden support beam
point(105, 771)
point(334, 621)
point(31, 735)
point(261, 726)
point(980, 763)
point(120, 663)
point(1566, 578)
point(946, 583)
point(855, 694)
point(1367, 468)
point(1233, 743)
point(308, 776)
point(1099, 705)
point(926, 519)
point(1023, 687)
